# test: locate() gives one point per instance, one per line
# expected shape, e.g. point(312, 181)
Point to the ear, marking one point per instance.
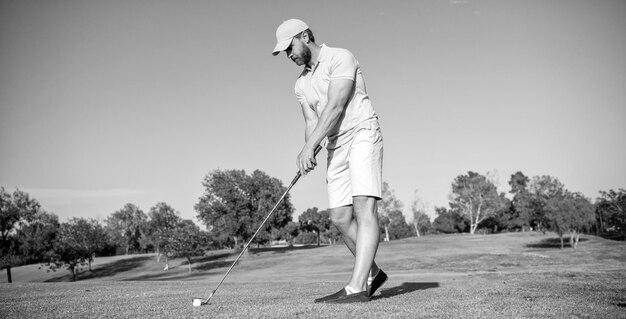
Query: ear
point(305, 37)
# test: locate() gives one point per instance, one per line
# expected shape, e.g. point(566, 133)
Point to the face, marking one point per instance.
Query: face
point(299, 53)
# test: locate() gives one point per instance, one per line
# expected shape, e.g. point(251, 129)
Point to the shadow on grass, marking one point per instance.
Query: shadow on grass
point(181, 273)
point(613, 236)
point(405, 288)
point(282, 250)
point(212, 265)
point(168, 276)
point(105, 270)
point(205, 259)
point(553, 243)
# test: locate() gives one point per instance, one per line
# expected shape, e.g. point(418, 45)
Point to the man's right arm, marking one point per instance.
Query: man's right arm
point(310, 121)
point(310, 117)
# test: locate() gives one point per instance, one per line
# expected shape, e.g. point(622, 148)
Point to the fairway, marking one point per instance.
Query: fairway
point(522, 275)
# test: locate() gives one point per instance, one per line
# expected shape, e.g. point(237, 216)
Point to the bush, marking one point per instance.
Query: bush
point(306, 238)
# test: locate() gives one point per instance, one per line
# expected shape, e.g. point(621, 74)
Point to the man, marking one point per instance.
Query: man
point(336, 107)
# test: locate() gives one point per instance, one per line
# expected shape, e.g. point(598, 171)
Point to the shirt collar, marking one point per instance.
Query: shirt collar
point(320, 57)
point(323, 53)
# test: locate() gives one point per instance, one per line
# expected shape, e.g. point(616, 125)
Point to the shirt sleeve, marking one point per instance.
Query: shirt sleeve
point(300, 96)
point(343, 66)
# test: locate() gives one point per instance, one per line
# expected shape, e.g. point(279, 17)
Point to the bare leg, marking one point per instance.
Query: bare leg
point(368, 235)
point(343, 219)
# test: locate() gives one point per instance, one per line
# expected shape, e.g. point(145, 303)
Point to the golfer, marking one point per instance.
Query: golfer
point(336, 107)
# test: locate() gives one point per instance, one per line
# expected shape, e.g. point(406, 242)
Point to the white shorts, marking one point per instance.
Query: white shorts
point(355, 168)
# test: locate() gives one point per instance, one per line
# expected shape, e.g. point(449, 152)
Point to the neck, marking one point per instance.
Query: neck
point(315, 52)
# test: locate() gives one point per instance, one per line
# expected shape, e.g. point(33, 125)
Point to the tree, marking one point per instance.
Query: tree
point(421, 220)
point(450, 221)
point(288, 233)
point(569, 212)
point(315, 221)
point(37, 236)
point(398, 228)
point(583, 218)
point(187, 240)
point(558, 206)
point(16, 210)
point(235, 204)
point(89, 235)
point(387, 204)
point(69, 249)
point(305, 238)
point(518, 183)
point(612, 206)
point(125, 226)
point(476, 197)
point(333, 235)
point(499, 220)
point(519, 213)
point(161, 225)
point(541, 189)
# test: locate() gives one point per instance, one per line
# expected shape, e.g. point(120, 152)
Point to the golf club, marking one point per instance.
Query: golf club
point(199, 301)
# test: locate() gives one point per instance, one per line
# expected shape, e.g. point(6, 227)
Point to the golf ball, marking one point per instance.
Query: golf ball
point(197, 302)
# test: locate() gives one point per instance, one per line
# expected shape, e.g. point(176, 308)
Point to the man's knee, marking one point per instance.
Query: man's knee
point(365, 206)
point(341, 217)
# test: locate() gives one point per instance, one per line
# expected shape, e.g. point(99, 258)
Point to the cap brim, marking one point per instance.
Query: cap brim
point(281, 46)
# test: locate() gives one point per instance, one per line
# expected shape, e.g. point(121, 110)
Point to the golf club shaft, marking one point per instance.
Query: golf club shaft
point(293, 182)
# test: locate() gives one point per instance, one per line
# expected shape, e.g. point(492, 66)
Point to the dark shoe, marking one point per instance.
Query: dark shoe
point(352, 298)
point(338, 294)
point(378, 281)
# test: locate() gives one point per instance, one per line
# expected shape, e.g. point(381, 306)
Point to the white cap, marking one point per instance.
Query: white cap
point(285, 33)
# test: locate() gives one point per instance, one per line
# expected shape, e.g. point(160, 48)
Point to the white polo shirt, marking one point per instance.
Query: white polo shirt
point(312, 91)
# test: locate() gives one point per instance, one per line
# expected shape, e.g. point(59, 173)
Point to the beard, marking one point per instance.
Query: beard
point(306, 54)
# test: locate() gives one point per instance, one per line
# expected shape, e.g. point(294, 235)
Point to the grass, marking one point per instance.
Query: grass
point(519, 275)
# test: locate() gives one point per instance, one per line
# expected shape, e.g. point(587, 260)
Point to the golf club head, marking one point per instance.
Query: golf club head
point(197, 302)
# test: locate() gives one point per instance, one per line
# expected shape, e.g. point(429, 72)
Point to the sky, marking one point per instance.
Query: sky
point(104, 103)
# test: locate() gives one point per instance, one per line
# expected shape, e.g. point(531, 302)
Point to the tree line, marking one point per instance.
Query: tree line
point(539, 203)
point(234, 203)
point(29, 234)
